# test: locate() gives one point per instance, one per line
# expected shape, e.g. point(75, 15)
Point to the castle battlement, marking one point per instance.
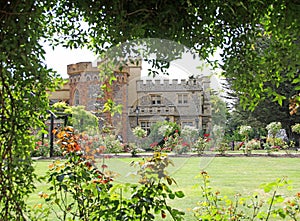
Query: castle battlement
point(81, 67)
point(195, 84)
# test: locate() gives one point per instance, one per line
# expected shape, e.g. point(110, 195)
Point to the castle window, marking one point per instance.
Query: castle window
point(76, 98)
point(182, 98)
point(156, 99)
point(146, 125)
point(187, 123)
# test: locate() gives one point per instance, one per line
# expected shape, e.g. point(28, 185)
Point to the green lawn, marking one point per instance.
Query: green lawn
point(229, 175)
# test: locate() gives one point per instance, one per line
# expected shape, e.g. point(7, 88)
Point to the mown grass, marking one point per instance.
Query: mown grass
point(229, 175)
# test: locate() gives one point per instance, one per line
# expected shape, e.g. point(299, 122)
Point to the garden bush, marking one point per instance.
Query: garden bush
point(79, 190)
point(214, 206)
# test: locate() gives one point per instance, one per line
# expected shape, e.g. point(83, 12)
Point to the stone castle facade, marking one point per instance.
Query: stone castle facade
point(144, 102)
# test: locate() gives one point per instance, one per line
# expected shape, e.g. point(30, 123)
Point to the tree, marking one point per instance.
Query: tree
point(219, 111)
point(81, 119)
point(267, 110)
point(24, 79)
point(202, 26)
point(238, 28)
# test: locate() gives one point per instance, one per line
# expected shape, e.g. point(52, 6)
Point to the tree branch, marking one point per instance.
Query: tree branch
point(139, 10)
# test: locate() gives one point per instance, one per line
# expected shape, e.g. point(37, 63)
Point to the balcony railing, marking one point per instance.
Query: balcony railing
point(153, 111)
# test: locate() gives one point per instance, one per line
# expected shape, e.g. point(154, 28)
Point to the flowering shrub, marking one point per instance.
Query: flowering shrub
point(296, 128)
point(214, 206)
point(80, 191)
point(245, 131)
point(134, 149)
point(112, 145)
point(273, 128)
point(164, 129)
point(222, 147)
point(40, 150)
point(184, 147)
point(189, 134)
point(75, 182)
point(250, 145)
point(43, 150)
point(203, 143)
point(155, 190)
point(171, 142)
point(139, 132)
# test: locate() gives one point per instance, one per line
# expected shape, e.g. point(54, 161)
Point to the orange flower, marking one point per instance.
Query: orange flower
point(77, 147)
point(38, 205)
point(43, 195)
point(51, 166)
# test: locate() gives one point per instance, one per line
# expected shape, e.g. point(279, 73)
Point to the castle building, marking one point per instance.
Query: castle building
point(144, 102)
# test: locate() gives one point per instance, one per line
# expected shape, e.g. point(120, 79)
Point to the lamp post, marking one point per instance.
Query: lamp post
point(197, 122)
point(137, 110)
point(52, 117)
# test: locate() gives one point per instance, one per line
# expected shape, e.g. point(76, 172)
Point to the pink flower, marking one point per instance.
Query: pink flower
point(207, 140)
point(104, 166)
point(153, 144)
point(185, 144)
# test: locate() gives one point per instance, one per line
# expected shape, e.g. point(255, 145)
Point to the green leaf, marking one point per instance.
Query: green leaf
point(171, 196)
point(112, 79)
point(169, 180)
point(296, 80)
point(179, 194)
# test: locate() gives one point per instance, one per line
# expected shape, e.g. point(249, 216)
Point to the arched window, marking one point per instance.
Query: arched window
point(76, 98)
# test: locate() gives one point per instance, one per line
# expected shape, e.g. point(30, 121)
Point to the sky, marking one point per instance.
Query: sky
point(59, 58)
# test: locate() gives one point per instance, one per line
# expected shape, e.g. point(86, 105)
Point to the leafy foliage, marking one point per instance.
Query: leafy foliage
point(296, 128)
point(202, 144)
point(237, 27)
point(79, 190)
point(214, 206)
point(24, 79)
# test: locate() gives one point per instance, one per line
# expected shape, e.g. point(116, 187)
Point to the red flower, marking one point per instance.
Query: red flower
point(176, 131)
point(153, 144)
point(185, 144)
point(206, 135)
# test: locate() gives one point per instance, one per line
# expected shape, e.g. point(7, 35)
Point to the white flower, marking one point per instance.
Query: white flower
point(244, 129)
point(296, 128)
